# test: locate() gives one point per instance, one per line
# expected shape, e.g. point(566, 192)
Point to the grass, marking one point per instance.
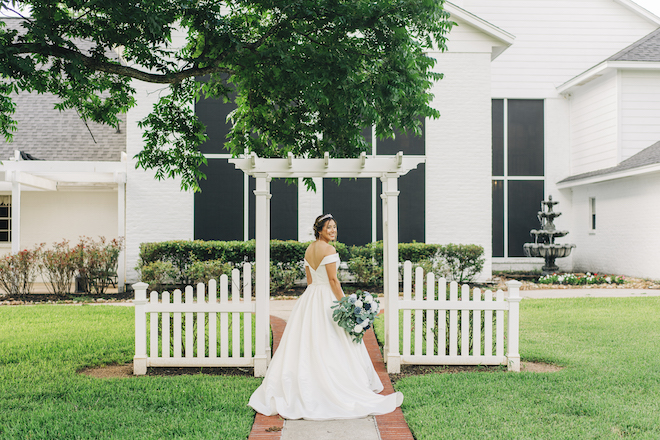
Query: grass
point(609, 388)
point(43, 396)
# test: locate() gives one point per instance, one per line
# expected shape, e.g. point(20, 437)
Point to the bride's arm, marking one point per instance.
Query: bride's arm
point(334, 281)
point(309, 275)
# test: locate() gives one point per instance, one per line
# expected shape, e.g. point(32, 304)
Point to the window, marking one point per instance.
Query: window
point(518, 172)
point(5, 219)
point(592, 212)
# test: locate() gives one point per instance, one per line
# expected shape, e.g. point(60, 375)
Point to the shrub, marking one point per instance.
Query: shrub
point(284, 276)
point(97, 263)
point(366, 270)
point(18, 271)
point(157, 274)
point(59, 265)
point(463, 261)
point(203, 271)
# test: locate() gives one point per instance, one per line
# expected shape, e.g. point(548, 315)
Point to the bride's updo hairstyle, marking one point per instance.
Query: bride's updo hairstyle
point(320, 222)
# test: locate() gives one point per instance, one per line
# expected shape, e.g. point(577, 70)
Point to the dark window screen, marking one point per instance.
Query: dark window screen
point(498, 218)
point(525, 137)
point(411, 203)
point(498, 137)
point(350, 203)
point(406, 142)
point(283, 210)
point(219, 206)
point(524, 204)
point(213, 113)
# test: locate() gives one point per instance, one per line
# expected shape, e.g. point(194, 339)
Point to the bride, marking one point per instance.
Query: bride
point(318, 372)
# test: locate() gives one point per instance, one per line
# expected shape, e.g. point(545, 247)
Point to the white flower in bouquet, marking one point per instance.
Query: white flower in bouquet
point(358, 328)
point(368, 298)
point(352, 298)
point(358, 303)
point(365, 323)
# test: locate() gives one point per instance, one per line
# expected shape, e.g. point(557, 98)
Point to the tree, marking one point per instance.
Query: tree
point(308, 75)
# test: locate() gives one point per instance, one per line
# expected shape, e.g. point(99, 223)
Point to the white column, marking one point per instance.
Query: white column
point(262, 270)
point(392, 269)
point(121, 230)
point(513, 338)
point(140, 302)
point(385, 272)
point(15, 214)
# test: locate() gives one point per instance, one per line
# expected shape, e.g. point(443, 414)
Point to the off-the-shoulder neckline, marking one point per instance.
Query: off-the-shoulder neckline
point(321, 263)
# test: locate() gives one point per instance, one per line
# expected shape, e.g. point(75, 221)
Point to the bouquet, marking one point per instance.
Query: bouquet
point(355, 313)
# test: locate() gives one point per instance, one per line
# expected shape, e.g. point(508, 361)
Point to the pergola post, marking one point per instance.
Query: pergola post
point(262, 270)
point(386, 285)
point(391, 249)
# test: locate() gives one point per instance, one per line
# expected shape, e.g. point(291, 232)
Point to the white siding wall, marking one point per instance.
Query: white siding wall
point(640, 111)
point(594, 125)
point(53, 216)
point(458, 151)
point(310, 206)
point(626, 240)
point(555, 40)
point(156, 210)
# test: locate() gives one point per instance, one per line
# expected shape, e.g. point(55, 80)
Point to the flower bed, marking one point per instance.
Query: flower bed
point(573, 279)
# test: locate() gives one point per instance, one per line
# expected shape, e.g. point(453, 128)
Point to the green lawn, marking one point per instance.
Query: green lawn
point(42, 396)
point(609, 388)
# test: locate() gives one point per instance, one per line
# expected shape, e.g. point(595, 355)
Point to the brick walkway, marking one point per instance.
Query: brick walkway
point(391, 426)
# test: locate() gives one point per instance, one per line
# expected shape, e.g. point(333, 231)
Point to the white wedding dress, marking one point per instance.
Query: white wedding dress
point(318, 372)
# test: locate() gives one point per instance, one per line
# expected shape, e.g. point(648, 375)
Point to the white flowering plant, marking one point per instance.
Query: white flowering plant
point(355, 313)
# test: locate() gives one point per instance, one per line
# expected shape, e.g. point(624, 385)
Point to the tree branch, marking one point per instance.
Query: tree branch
point(117, 69)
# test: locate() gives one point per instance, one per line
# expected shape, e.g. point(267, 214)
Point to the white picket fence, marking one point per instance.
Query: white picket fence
point(453, 331)
point(186, 334)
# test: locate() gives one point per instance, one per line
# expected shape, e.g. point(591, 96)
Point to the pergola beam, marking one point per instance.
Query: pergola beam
point(291, 167)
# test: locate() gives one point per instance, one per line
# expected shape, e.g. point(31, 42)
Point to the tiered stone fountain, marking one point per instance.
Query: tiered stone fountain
point(544, 239)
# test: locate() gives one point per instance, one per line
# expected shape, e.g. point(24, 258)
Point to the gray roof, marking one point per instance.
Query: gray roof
point(46, 133)
point(648, 156)
point(645, 49)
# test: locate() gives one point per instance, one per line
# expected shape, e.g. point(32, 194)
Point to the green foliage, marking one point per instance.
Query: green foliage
point(59, 267)
point(96, 262)
point(203, 271)
point(458, 262)
point(309, 75)
point(18, 271)
point(463, 261)
point(284, 276)
point(366, 271)
point(157, 274)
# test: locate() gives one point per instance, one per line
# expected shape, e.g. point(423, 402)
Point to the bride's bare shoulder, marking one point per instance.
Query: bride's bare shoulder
point(328, 250)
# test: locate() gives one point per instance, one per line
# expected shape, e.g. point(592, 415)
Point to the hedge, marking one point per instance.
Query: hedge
point(460, 262)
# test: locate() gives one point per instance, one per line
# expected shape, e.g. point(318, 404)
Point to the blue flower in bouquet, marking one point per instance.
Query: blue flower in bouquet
point(355, 313)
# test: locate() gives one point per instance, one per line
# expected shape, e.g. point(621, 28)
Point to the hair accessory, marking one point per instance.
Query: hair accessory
point(326, 216)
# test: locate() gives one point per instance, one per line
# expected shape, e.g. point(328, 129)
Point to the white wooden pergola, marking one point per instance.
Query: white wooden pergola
point(387, 168)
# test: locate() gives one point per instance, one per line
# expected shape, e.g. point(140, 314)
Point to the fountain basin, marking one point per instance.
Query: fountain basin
point(547, 233)
point(547, 250)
